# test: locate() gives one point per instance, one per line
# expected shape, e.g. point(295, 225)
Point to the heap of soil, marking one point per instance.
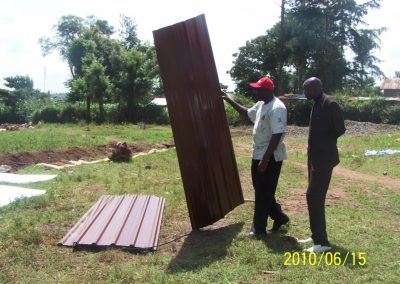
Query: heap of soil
point(15, 127)
point(22, 159)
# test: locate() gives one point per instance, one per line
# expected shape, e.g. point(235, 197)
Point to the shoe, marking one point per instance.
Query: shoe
point(305, 241)
point(277, 224)
point(318, 249)
point(253, 233)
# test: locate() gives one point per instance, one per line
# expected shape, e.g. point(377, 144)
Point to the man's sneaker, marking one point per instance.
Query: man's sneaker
point(318, 249)
point(277, 224)
point(305, 241)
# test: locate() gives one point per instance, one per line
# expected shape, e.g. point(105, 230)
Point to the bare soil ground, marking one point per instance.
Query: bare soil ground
point(20, 160)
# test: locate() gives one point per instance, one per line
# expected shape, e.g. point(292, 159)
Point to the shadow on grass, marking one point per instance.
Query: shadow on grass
point(203, 247)
point(281, 243)
point(350, 259)
point(96, 249)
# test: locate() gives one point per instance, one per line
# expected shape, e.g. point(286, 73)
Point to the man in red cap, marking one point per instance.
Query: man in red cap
point(269, 118)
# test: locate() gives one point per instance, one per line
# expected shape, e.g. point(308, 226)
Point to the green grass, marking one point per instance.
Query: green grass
point(58, 136)
point(353, 148)
point(366, 220)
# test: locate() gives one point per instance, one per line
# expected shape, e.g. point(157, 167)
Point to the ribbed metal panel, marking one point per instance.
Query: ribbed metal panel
point(199, 124)
point(131, 221)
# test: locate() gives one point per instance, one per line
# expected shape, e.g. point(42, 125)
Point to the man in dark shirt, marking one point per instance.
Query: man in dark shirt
point(326, 125)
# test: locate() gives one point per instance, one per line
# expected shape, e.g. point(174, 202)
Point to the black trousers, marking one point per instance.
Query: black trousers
point(318, 184)
point(265, 187)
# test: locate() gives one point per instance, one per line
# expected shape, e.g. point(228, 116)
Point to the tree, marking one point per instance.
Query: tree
point(19, 82)
point(68, 28)
point(137, 77)
point(128, 33)
point(397, 74)
point(256, 59)
point(317, 34)
point(98, 85)
point(22, 89)
point(21, 102)
point(106, 69)
point(363, 66)
point(333, 26)
point(72, 30)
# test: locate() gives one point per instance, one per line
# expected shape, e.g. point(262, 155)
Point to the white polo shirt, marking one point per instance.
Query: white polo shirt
point(268, 119)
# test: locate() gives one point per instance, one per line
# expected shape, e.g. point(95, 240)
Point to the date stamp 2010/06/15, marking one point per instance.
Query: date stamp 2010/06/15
point(326, 258)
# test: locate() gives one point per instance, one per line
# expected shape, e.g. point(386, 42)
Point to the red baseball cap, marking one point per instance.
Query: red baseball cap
point(265, 83)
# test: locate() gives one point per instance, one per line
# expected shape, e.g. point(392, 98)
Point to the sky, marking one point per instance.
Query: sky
point(230, 25)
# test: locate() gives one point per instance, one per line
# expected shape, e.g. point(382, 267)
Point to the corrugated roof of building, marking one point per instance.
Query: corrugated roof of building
point(128, 221)
point(391, 84)
point(198, 120)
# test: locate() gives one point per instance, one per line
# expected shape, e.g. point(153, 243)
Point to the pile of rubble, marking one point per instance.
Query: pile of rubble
point(15, 127)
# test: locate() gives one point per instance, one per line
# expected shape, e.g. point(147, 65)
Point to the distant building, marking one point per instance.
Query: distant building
point(391, 87)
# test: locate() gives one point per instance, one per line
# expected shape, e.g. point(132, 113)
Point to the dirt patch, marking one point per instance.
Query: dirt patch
point(93, 188)
point(386, 181)
point(296, 201)
point(23, 159)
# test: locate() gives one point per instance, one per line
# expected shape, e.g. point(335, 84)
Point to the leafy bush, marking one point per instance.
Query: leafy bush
point(48, 114)
point(298, 111)
point(375, 110)
point(154, 114)
point(71, 114)
point(234, 118)
point(393, 115)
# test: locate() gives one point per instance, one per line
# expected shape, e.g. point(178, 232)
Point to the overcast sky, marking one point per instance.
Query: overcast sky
point(230, 24)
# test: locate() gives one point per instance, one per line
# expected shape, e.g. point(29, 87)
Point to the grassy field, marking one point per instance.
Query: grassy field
point(58, 136)
point(362, 215)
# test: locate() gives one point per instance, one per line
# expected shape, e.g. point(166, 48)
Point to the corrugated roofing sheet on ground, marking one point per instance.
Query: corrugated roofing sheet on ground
point(129, 221)
point(198, 119)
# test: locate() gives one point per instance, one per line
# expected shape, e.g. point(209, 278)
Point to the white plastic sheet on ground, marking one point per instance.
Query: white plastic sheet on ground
point(381, 153)
point(72, 164)
point(20, 179)
point(9, 194)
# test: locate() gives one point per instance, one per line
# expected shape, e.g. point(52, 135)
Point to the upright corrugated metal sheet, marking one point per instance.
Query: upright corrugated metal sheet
point(200, 128)
point(129, 221)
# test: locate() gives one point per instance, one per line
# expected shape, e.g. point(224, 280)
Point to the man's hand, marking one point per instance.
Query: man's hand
point(224, 96)
point(239, 108)
point(262, 165)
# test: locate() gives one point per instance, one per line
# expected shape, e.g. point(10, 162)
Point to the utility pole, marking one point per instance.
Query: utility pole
point(280, 49)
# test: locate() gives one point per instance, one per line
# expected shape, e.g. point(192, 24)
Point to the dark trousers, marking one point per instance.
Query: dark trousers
point(318, 184)
point(265, 187)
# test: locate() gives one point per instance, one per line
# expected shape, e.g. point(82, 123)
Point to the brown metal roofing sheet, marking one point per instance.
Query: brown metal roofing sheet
point(198, 119)
point(131, 221)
